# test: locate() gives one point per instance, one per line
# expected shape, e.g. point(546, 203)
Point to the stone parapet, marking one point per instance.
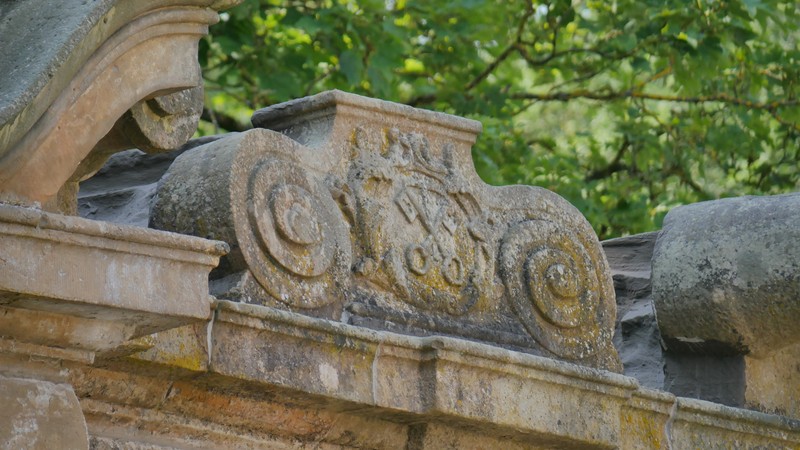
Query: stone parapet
point(376, 293)
point(303, 381)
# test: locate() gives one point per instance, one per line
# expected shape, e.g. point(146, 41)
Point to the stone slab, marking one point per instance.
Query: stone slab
point(416, 375)
point(42, 415)
point(292, 376)
point(701, 424)
point(98, 284)
point(131, 409)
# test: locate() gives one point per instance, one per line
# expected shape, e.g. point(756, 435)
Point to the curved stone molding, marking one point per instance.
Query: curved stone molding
point(726, 276)
point(553, 286)
point(371, 212)
point(114, 58)
point(253, 192)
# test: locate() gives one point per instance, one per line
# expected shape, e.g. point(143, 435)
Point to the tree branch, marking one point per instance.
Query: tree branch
point(715, 98)
point(614, 166)
point(422, 99)
point(224, 121)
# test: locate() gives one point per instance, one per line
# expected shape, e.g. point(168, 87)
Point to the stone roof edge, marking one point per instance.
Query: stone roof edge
point(93, 26)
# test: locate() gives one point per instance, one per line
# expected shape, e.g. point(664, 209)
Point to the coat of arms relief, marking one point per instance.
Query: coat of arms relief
point(369, 212)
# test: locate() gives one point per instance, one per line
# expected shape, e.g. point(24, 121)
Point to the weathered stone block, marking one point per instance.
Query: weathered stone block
point(371, 212)
point(726, 275)
point(37, 414)
point(327, 383)
point(75, 283)
point(452, 380)
point(726, 286)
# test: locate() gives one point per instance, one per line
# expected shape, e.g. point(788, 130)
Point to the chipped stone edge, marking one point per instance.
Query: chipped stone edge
point(116, 309)
point(197, 250)
point(723, 417)
point(258, 317)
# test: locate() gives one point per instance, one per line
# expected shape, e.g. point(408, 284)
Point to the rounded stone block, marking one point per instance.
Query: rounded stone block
point(726, 275)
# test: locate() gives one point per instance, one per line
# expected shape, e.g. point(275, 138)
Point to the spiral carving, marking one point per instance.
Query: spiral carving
point(295, 242)
point(552, 287)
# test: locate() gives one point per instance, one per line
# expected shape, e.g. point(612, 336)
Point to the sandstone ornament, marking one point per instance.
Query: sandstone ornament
point(369, 212)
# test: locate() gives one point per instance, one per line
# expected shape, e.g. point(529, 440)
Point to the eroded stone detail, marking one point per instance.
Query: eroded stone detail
point(71, 112)
point(282, 223)
point(371, 212)
point(294, 234)
point(552, 284)
point(417, 227)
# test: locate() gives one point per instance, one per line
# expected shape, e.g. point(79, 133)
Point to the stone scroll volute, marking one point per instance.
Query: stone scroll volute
point(370, 212)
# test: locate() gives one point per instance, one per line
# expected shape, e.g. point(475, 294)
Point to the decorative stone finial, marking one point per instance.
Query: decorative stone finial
point(371, 212)
point(86, 79)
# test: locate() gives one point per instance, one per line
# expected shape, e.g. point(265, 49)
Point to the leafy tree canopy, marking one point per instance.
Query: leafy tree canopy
point(627, 108)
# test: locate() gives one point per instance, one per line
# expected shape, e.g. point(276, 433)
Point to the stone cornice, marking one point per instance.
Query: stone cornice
point(75, 284)
point(307, 367)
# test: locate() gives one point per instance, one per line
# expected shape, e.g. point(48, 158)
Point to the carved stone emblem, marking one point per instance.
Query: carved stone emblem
point(370, 212)
point(419, 233)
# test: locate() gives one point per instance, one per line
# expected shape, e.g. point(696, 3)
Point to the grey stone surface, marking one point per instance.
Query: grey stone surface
point(726, 275)
point(371, 212)
point(764, 383)
point(718, 379)
point(636, 335)
point(36, 39)
point(123, 190)
point(40, 415)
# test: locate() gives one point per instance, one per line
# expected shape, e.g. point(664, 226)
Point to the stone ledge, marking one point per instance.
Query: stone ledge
point(751, 427)
point(184, 247)
point(452, 384)
point(74, 283)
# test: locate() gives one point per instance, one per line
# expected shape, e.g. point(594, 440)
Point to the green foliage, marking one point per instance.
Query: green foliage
point(626, 108)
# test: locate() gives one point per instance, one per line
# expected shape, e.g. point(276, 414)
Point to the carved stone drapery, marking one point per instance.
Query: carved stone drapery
point(125, 75)
point(371, 212)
